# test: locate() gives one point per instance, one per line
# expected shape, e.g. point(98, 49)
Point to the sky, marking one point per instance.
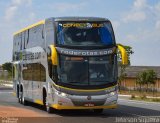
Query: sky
point(136, 22)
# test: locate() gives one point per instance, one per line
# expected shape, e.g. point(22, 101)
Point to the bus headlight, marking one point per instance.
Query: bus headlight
point(112, 93)
point(61, 94)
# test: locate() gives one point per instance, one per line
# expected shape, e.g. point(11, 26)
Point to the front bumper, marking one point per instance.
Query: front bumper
point(59, 107)
point(77, 102)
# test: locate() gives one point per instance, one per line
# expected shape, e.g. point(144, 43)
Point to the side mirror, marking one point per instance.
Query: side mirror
point(124, 55)
point(52, 54)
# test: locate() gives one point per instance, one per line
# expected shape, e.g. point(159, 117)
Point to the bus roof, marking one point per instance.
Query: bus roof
point(31, 26)
point(63, 19)
point(80, 19)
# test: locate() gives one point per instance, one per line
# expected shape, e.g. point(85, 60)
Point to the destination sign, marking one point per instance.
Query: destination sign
point(86, 52)
point(82, 25)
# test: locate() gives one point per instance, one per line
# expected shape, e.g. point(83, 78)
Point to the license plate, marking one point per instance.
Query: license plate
point(89, 105)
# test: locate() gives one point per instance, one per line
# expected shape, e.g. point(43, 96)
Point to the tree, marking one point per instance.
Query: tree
point(151, 78)
point(146, 77)
point(141, 79)
point(7, 66)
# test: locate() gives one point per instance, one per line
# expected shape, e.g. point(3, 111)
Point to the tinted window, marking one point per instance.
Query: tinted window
point(85, 33)
point(36, 37)
point(34, 72)
point(88, 70)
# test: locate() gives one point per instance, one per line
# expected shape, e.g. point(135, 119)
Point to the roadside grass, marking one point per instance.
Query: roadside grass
point(9, 78)
point(144, 98)
point(140, 94)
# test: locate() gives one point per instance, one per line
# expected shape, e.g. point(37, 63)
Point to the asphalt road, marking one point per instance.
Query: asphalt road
point(128, 111)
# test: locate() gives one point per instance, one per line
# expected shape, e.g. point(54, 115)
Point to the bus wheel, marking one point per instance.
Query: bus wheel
point(49, 109)
point(20, 97)
point(24, 102)
point(46, 105)
point(98, 111)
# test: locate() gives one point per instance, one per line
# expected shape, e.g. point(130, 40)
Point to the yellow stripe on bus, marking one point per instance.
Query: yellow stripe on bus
point(29, 27)
point(82, 90)
point(38, 101)
point(14, 93)
point(57, 106)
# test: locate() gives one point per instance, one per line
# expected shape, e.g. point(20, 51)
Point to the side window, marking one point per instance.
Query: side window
point(18, 42)
point(18, 47)
point(31, 38)
point(34, 72)
point(27, 72)
point(14, 47)
point(36, 37)
point(22, 40)
point(26, 38)
point(49, 31)
point(43, 73)
point(40, 36)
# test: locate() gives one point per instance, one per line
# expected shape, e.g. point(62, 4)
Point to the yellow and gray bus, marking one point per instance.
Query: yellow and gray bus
point(66, 63)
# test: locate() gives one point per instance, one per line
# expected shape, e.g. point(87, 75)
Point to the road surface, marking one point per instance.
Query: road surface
point(128, 111)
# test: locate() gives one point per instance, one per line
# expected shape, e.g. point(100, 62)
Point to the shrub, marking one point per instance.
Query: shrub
point(133, 96)
point(143, 96)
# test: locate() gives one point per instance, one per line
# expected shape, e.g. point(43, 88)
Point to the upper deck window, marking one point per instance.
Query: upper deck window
point(85, 33)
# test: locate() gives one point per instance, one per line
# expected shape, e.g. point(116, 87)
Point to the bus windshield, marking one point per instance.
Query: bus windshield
point(87, 70)
point(85, 33)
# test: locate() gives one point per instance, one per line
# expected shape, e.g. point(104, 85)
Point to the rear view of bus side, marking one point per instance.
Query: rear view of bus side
point(66, 63)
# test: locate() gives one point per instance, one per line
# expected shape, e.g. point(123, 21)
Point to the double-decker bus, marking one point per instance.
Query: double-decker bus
point(66, 63)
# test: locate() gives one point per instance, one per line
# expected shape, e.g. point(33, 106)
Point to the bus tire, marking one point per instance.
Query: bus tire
point(98, 111)
point(49, 109)
point(20, 97)
point(45, 102)
point(24, 102)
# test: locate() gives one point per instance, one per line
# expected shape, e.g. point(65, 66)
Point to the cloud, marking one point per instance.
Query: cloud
point(32, 16)
point(10, 12)
point(115, 24)
point(12, 9)
point(139, 4)
point(137, 13)
point(17, 14)
point(157, 7)
point(65, 6)
point(158, 25)
point(143, 33)
point(145, 46)
point(135, 16)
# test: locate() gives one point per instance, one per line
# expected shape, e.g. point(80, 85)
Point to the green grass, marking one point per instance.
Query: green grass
point(138, 93)
point(144, 98)
point(9, 78)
